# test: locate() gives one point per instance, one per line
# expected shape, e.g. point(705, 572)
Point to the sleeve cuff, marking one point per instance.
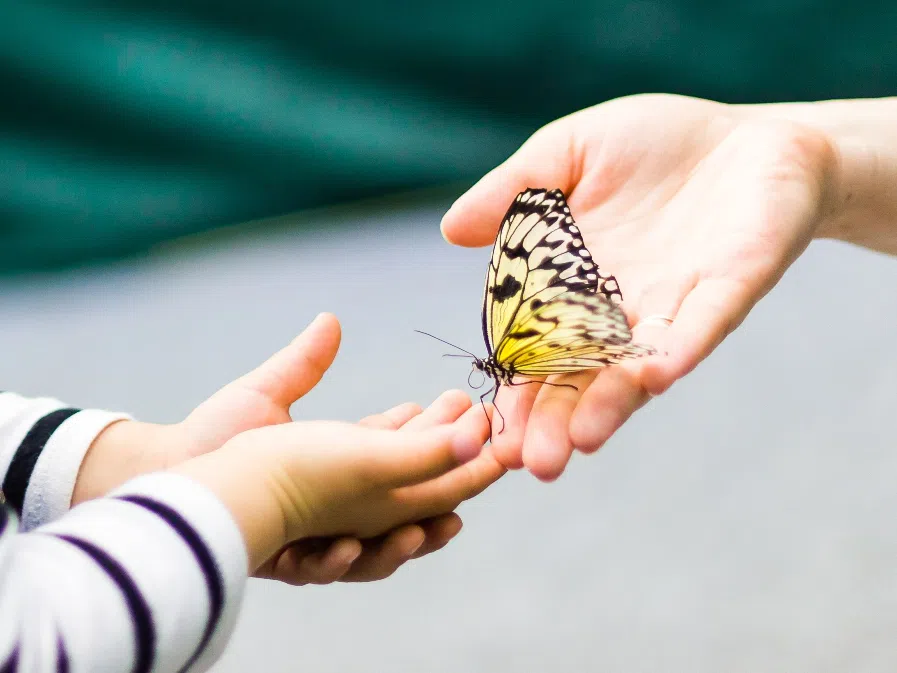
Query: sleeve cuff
point(49, 493)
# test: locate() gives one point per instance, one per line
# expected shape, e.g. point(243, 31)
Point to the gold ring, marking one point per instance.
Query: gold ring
point(665, 320)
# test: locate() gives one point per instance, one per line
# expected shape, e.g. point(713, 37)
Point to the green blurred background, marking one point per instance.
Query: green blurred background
point(127, 123)
point(741, 522)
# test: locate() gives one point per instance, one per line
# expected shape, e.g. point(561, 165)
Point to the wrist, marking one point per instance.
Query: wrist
point(124, 450)
point(861, 207)
point(240, 479)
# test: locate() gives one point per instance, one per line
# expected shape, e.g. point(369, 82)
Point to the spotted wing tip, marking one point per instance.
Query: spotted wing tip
point(533, 191)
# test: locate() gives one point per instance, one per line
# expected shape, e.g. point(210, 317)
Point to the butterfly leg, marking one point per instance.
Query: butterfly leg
point(546, 383)
point(498, 411)
point(560, 385)
point(493, 390)
point(485, 413)
point(512, 383)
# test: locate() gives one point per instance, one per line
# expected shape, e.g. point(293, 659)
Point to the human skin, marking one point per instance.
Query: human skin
point(698, 208)
point(262, 398)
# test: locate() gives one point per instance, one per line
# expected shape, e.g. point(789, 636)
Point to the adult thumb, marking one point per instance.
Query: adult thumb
point(546, 161)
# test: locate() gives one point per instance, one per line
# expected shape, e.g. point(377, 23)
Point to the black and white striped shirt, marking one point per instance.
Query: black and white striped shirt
point(148, 578)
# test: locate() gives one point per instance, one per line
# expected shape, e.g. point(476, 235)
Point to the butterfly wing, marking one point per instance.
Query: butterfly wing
point(538, 255)
point(572, 332)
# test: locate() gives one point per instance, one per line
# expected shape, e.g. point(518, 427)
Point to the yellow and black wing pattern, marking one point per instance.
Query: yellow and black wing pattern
point(547, 309)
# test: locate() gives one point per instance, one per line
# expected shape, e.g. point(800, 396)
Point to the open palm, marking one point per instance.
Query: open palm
point(696, 207)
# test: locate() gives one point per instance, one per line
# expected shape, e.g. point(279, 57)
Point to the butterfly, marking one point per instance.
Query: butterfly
point(547, 309)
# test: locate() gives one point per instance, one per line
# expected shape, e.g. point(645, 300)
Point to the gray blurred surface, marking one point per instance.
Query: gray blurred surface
point(743, 522)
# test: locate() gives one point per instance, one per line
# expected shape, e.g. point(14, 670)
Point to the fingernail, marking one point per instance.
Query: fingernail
point(351, 554)
point(413, 551)
point(466, 447)
point(444, 216)
point(453, 534)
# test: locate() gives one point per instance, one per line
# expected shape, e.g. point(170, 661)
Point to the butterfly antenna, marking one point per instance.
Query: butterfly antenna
point(447, 343)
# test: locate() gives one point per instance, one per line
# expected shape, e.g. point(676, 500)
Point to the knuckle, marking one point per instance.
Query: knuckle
point(387, 573)
point(413, 408)
point(311, 365)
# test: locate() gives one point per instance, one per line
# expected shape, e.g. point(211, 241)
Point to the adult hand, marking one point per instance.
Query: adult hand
point(696, 207)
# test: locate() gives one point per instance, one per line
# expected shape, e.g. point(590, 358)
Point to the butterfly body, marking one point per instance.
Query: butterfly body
point(489, 367)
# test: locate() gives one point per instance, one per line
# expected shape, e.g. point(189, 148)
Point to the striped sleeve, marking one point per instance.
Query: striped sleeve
point(42, 445)
point(149, 578)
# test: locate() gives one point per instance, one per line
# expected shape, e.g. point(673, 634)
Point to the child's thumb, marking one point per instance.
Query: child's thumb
point(297, 368)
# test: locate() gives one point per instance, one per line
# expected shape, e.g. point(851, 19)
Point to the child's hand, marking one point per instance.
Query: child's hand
point(260, 398)
point(322, 560)
point(296, 481)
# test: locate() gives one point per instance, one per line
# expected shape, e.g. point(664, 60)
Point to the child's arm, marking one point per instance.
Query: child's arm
point(86, 589)
point(60, 457)
point(149, 577)
point(42, 445)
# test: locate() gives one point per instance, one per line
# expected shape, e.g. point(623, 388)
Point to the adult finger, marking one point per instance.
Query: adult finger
point(547, 445)
point(617, 392)
point(708, 314)
point(509, 420)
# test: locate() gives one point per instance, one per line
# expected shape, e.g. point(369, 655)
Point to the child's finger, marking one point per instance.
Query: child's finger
point(405, 458)
point(381, 558)
point(297, 368)
point(440, 531)
point(410, 416)
point(301, 564)
point(446, 492)
point(392, 419)
point(445, 409)
point(322, 561)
